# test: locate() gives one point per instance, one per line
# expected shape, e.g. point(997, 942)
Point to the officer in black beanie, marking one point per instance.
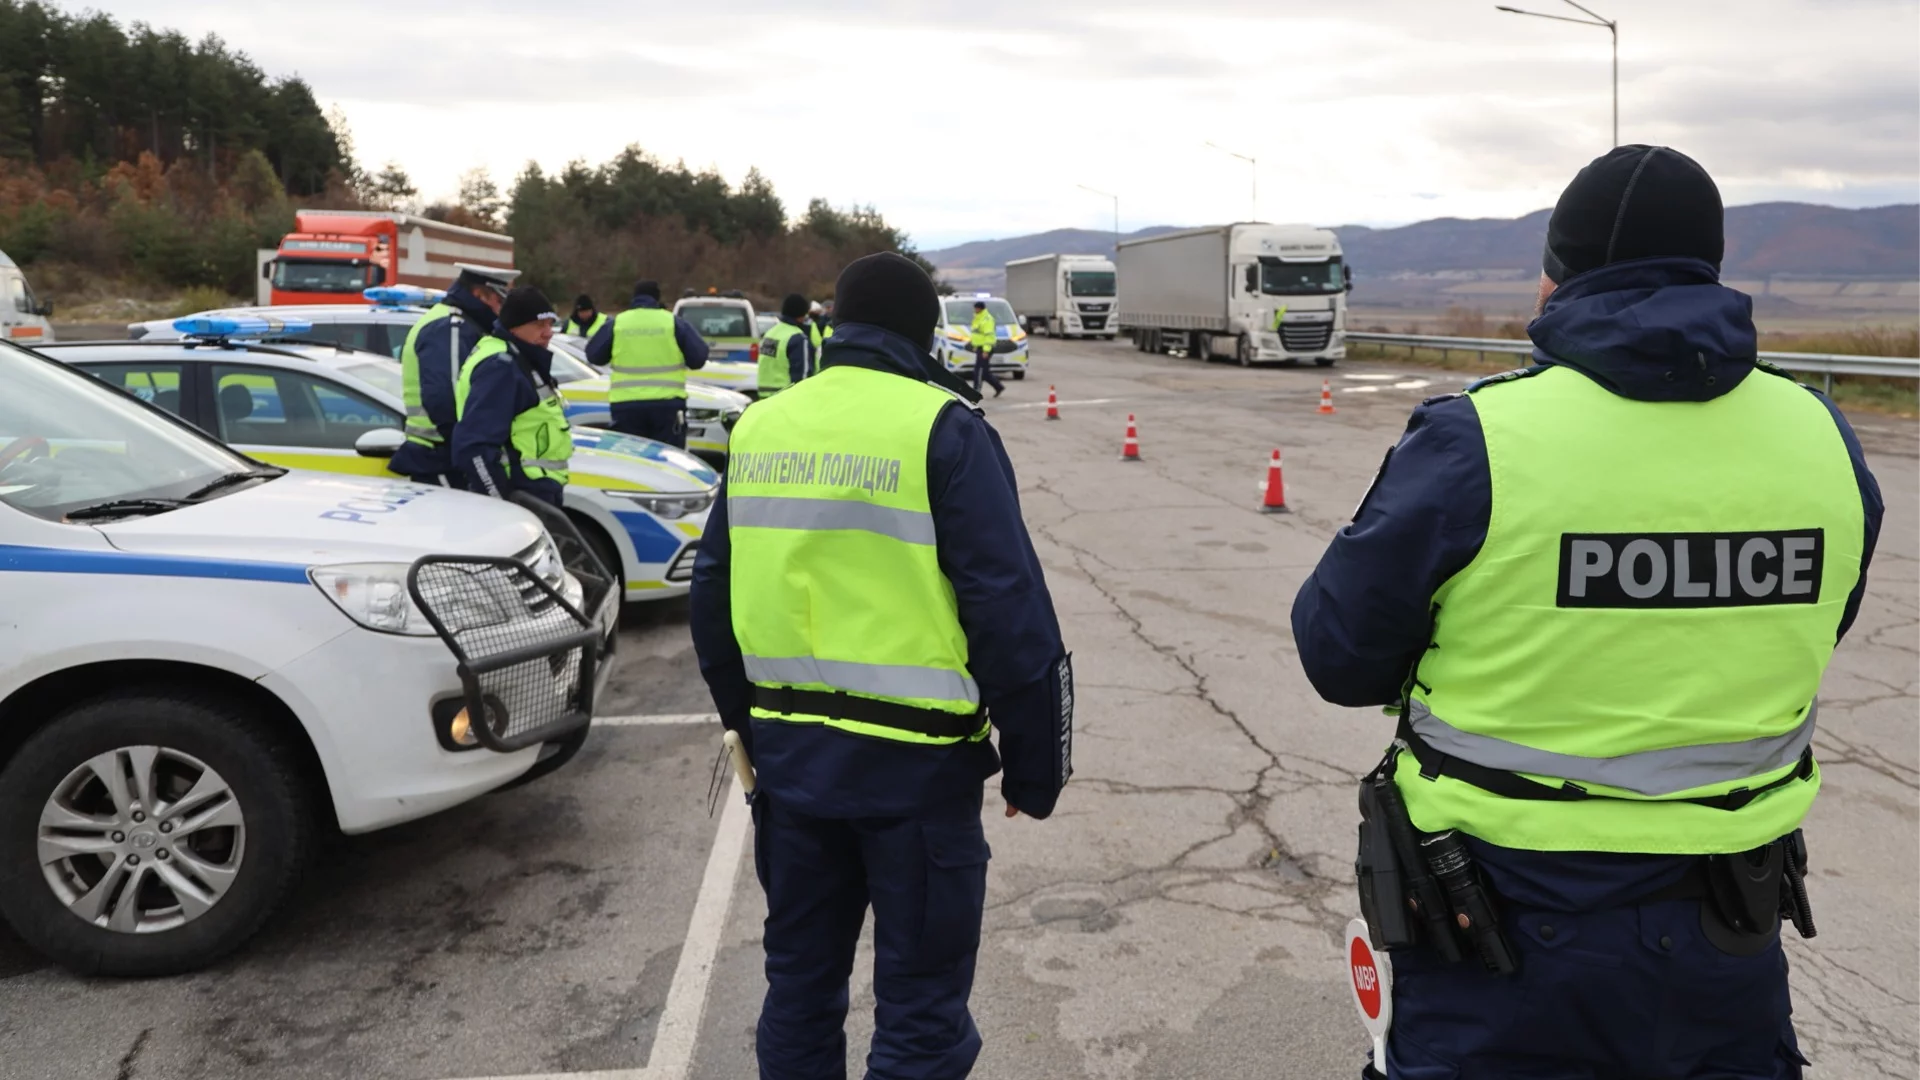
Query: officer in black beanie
point(867, 608)
point(1571, 582)
point(512, 433)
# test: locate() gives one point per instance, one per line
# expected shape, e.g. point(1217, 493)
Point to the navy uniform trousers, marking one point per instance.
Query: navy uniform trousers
point(1631, 993)
point(926, 879)
point(662, 421)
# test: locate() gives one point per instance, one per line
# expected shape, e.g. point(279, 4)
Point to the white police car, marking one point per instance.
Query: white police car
point(952, 339)
point(382, 323)
point(209, 661)
point(726, 324)
point(711, 411)
point(642, 505)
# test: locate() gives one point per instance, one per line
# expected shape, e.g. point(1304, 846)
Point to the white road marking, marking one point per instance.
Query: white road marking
point(1413, 384)
point(679, 1027)
point(1062, 404)
point(1361, 389)
point(1371, 377)
point(662, 718)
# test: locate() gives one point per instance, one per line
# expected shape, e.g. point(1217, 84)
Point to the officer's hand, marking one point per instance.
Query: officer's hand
point(1013, 811)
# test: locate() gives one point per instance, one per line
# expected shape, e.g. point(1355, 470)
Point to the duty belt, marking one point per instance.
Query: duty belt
point(1512, 785)
point(837, 705)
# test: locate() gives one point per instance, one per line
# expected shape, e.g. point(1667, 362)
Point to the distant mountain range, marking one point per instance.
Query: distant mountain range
point(1764, 239)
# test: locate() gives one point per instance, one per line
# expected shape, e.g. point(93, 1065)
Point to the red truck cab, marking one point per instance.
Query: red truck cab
point(332, 256)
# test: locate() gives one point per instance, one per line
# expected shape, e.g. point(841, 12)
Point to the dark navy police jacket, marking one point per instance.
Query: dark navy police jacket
point(438, 370)
point(498, 391)
point(1362, 618)
point(1013, 639)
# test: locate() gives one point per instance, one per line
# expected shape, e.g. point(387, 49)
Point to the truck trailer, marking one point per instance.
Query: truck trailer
point(1252, 291)
point(333, 256)
point(1064, 295)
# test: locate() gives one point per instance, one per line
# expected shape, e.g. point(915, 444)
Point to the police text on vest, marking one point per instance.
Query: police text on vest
point(1690, 570)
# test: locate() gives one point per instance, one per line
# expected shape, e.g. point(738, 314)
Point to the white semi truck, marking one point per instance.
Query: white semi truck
point(1064, 295)
point(1252, 291)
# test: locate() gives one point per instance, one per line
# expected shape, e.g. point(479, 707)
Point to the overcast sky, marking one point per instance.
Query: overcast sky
point(976, 120)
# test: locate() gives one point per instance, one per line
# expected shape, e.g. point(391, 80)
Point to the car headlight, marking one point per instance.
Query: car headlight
point(667, 506)
point(705, 416)
point(375, 596)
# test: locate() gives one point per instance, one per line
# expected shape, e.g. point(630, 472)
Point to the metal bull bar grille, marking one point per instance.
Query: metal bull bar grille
point(530, 660)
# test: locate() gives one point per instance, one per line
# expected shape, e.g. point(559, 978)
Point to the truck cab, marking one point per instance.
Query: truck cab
point(1064, 295)
point(333, 256)
point(1290, 287)
point(23, 316)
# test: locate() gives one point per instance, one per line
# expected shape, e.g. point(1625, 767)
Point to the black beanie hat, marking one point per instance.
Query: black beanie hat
point(889, 291)
point(583, 302)
point(647, 288)
point(524, 305)
point(1635, 202)
point(794, 307)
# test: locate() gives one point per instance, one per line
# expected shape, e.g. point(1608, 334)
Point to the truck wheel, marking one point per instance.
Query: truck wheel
point(150, 833)
point(1199, 346)
point(1243, 351)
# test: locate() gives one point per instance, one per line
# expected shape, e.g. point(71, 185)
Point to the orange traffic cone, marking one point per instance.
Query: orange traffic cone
point(1326, 396)
point(1130, 450)
point(1053, 405)
point(1275, 501)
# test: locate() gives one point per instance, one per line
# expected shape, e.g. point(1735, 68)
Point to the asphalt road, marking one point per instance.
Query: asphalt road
point(1179, 917)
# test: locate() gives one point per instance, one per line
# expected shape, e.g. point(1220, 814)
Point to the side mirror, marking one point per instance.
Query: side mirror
point(1022, 320)
point(266, 270)
point(1348, 270)
point(45, 310)
point(379, 275)
point(380, 443)
point(1253, 277)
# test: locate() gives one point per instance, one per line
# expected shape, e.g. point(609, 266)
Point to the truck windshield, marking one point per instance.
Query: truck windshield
point(1301, 278)
point(960, 312)
point(299, 275)
point(717, 320)
point(68, 442)
point(1090, 283)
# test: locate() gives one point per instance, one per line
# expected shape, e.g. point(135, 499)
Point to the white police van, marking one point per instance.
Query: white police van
point(206, 661)
point(952, 338)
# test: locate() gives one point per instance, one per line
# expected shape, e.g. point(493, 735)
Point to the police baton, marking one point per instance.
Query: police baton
point(742, 765)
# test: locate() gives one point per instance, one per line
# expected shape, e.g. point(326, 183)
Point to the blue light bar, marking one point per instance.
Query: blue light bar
point(403, 295)
point(230, 326)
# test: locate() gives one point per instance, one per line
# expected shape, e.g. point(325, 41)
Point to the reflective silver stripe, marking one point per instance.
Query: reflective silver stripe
point(636, 384)
point(1649, 772)
point(884, 680)
point(625, 369)
point(417, 412)
point(544, 463)
point(773, 512)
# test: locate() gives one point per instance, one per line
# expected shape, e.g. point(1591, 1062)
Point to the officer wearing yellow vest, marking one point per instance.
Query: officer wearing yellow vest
point(587, 319)
point(648, 351)
point(982, 335)
point(513, 433)
point(867, 608)
point(786, 352)
point(1601, 592)
point(819, 325)
point(430, 361)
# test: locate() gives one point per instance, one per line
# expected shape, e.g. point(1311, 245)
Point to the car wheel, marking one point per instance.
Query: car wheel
point(1243, 350)
point(150, 833)
point(608, 553)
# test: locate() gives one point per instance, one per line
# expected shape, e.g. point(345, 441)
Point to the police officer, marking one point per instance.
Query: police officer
point(586, 320)
point(430, 362)
point(513, 433)
point(650, 350)
point(865, 598)
point(1602, 591)
point(982, 335)
point(819, 325)
point(786, 353)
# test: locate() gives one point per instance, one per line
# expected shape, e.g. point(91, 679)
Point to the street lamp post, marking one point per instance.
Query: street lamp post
point(1613, 27)
point(1253, 170)
point(1116, 213)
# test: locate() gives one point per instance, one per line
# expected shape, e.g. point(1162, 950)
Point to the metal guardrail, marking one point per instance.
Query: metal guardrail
point(1828, 364)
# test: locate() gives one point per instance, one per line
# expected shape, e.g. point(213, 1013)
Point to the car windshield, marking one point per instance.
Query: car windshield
point(717, 320)
point(1090, 283)
point(570, 361)
point(381, 376)
point(960, 312)
point(1301, 278)
point(295, 275)
point(68, 442)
